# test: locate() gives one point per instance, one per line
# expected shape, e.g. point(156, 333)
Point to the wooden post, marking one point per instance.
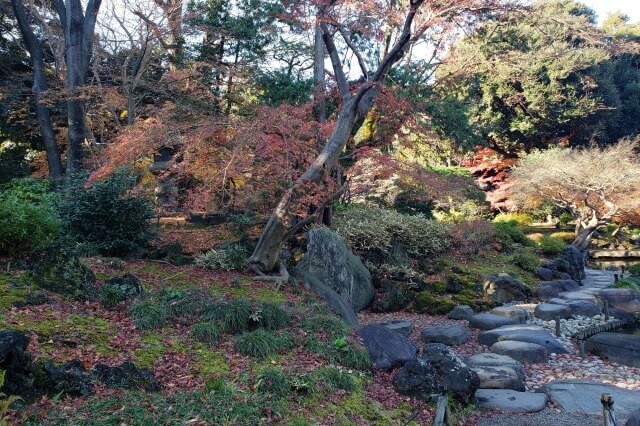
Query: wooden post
point(558, 329)
point(608, 414)
point(441, 418)
point(606, 310)
point(581, 348)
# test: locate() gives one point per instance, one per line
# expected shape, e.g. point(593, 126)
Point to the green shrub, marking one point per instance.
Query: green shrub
point(273, 382)
point(272, 316)
point(631, 283)
point(233, 317)
point(510, 235)
point(522, 219)
point(634, 270)
point(149, 314)
point(526, 259)
point(13, 162)
point(189, 303)
point(332, 326)
point(106, 218)
point(551, 245)
point(565, 219)
point(57, 268)
point(110, 296)
point(367, 228)
point(262, 343)
point(206, 332)
point(567, 237)
point(233, 257)
point(356, 357)
point(333, 378)
point(28, 216)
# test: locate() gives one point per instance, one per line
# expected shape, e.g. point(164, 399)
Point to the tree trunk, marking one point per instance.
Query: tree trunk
point(40, 85)
point(585, 232)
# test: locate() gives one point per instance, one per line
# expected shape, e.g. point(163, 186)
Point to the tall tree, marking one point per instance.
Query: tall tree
point(78, 26)
point(40, 86)
point(356, 101)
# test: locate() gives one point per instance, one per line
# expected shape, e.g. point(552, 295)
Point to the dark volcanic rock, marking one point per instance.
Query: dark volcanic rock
point(126, 376)
point(455, 376)
point(69, 379)
point(418, 378)
point(16, 362)
point(387, 348)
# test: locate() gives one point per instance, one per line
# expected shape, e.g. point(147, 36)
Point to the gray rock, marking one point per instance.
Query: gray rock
point(578, 295)
point(561, 275)
point(126, 376)
point(461, 312)
point(388, 349)
point(550, 289)
point(17, 364)
point(499, 377)
point(337, 304)
point(486, 321)
point(514, 312)
point(505, 288)
point(489, 359)
point(584, 308)
point(328, 263)
point(417, 378)
point(621, 298)
point(523, 333)
point(527, 353)
point(545, 273)
point(634, 420)
point(576, 260)
point(549, 311)
point(451, 335)
point(619, 347)
point(400, 326)
point(454, 374)
point(583, 396)
point(510, 401)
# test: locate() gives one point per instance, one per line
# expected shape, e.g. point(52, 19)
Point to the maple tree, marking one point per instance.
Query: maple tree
point(594, 184)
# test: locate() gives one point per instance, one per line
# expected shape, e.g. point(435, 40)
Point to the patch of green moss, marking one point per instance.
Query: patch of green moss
point(151, 350)
point(75, 328)
point(433, 304)
point(11, 290)
point(249, 291)
point(210, 362)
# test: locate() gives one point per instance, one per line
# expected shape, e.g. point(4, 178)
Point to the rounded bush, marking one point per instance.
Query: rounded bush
point(527, 260)
point(522, 219)
point(334, 378)
point(149, 314)
point(106, 218)
point(551, 245)
point(206, 332)
point(261, 343)
point(634, 270)
point(273, 382)
point(28, 216)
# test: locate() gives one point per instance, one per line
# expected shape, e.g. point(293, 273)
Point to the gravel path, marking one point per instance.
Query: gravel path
point(548, 416)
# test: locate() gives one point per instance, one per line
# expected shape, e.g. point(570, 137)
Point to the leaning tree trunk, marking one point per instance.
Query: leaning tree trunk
point(40, 86)
point(585, 232)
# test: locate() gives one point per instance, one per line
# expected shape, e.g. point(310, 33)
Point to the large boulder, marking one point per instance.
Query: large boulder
point(515, 312)
point(16, 362)
point(128, 285)
point(418, 378)
point(619, 347)
point(400, 326)
point(634, 419)
point(393, 296)
point(549, 311)
point(451, 335)
point(489, 359)
point(126, 376)
point(388, 349)
point(456, 377)
point(621, 298)
point(575, 260)
point(550, 289)
point(329, 266)
point(505, 288)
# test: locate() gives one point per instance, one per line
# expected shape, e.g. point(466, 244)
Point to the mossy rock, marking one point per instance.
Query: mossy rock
point(61, 271)
point(427, 302)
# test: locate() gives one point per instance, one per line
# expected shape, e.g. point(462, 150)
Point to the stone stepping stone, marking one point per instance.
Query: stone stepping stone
point(514, 312)
point(461, 312)
point(582, 308)
point(510, 400)
point(499, 377)
point(619, 347)
point(577, 295)
point(488, 359)
point(486, 321)
point(526, 353)
point(451, 335)
point(583, 396)
point(549, 311)
point(523, 333)
point(402, 327)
